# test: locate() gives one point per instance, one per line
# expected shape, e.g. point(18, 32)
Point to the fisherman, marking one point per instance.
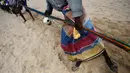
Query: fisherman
point(4, 6)
point(83, 45)
point(16, 6)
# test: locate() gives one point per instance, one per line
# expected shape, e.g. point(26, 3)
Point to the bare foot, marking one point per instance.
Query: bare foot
point(33, 19)
point(76, 65)
point(114, 67)
point(75, 68)
point(24, 21)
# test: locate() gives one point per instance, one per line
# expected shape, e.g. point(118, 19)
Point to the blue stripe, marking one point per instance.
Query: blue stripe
point(65, 11)
point(86, 48)
point(65, 40)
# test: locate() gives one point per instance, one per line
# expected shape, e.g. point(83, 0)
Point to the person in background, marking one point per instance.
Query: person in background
point(14, 6)
point(87, 46)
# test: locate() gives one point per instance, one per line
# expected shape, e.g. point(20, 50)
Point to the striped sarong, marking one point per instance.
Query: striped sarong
point(85, 47)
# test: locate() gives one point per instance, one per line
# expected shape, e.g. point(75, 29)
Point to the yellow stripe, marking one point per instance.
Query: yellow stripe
point(88, 53)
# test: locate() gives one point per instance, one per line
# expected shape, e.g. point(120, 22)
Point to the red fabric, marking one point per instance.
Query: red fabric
point(73, 47)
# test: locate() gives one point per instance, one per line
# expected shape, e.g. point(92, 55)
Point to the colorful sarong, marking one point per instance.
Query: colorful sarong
point(86, 47)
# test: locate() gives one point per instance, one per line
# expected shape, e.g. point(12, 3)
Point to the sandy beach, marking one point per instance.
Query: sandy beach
point(34, 47)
